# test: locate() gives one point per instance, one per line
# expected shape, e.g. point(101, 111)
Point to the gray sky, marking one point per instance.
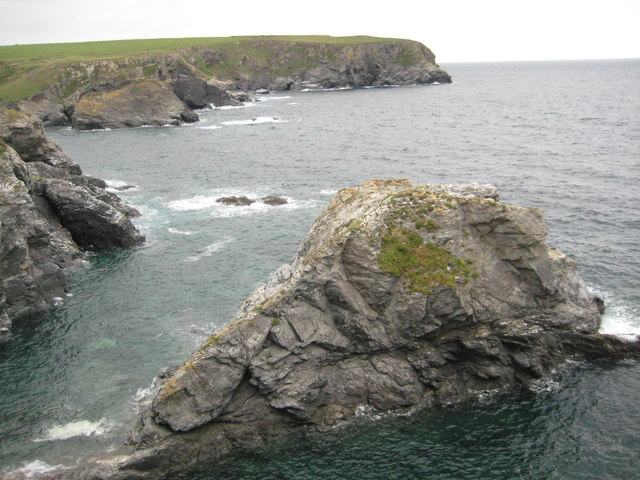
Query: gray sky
point(456, 30)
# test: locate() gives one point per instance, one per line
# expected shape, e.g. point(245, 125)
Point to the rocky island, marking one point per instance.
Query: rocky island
point(160, 82)
point(49, 214)
point(401, 295)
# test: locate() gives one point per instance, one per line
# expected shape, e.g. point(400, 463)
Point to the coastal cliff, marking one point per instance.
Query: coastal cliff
point(400, 296)
point(49, 214)
point(166, 85)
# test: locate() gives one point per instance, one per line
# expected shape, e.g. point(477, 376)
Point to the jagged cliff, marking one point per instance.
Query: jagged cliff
point(401, 295)
point(98, 93)
point(49, 213)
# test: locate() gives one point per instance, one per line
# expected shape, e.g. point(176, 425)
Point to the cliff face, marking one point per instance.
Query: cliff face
point(223, 73)
point(49, 214)
point(401, 295)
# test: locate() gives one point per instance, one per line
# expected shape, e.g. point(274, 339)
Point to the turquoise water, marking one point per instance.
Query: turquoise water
point(560, 136)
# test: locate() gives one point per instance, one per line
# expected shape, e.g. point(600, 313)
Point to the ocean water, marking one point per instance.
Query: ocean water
point(562, 136)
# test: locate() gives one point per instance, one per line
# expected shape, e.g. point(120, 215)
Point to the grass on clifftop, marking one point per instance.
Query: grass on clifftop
point(28, 69)
point(126, 48)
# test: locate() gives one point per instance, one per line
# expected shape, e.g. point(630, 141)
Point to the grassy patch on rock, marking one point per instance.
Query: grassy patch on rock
point(424, 264)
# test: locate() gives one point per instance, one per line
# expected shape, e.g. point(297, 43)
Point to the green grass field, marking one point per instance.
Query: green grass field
point(28, 69)
point(127, 48)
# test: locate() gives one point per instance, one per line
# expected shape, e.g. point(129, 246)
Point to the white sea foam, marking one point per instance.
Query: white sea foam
point(75, 429)
point(120, 186)
point(175, 231)
point(209, 203)
point(328, 191)
point(144, 393)
point(266, 99)
point(209, 250)
point(28, 470)
point(255, 121)
point(233, 107)
point(544, 385)
point(199, 202)
point(620, 321)
point(210, 127)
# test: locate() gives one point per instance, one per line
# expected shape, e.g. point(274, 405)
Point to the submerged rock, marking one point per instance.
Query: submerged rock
point(274, 201)
point(401, 295)
point(236, 201)
point(49, 214)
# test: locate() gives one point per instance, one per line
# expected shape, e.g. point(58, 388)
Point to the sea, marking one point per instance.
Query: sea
point(561, 136)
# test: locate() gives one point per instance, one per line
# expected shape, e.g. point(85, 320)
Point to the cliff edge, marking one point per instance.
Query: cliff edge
point(161, 81)
point(49, 214)
point(401, 295)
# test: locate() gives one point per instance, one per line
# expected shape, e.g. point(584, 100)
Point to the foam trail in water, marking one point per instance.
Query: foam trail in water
point(209, 250)
point(328, 191)
point(75, 429)
point(266, 99)
point(199, 202)
point(120, 186)
point(255, 121)
point(211, 127)
point(618, 320)
point(175, 231)
point(28, 470)
point(233, 107)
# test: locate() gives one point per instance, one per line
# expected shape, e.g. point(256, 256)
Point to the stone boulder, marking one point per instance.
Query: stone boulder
point(196, 93)
point(236, 201)
point(401, 295)
point(143, 102)
point(274, 201)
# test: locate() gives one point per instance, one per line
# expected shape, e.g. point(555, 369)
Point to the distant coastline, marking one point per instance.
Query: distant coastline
point(130, 83)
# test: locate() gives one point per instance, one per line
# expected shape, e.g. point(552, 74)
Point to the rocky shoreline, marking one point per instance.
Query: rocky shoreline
point(400, 296)
point(50, 214)
point(165, 89)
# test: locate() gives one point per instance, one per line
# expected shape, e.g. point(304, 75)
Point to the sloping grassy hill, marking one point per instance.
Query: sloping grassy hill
point(28, 69)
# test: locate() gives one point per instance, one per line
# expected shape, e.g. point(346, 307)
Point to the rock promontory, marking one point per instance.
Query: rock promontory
point(49, 214)
point(401, 295)
point(159, 82)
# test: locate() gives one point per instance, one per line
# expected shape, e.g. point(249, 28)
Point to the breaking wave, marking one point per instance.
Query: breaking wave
point(255, 121)
point(75, 429)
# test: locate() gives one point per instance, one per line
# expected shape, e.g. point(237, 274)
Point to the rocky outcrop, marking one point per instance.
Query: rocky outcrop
point(164, 88)
point(144, 102)
point(49, 213)
point(401, 295)
point(246, 201)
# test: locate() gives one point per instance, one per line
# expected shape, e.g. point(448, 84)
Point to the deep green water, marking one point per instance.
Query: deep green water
point(561, 136)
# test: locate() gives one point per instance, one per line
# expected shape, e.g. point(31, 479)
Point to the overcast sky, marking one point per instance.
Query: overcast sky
point(456, 30)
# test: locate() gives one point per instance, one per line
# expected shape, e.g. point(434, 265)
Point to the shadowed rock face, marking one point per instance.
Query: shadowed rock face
point(145, 102)
point(401, 295)
point(49, 214)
